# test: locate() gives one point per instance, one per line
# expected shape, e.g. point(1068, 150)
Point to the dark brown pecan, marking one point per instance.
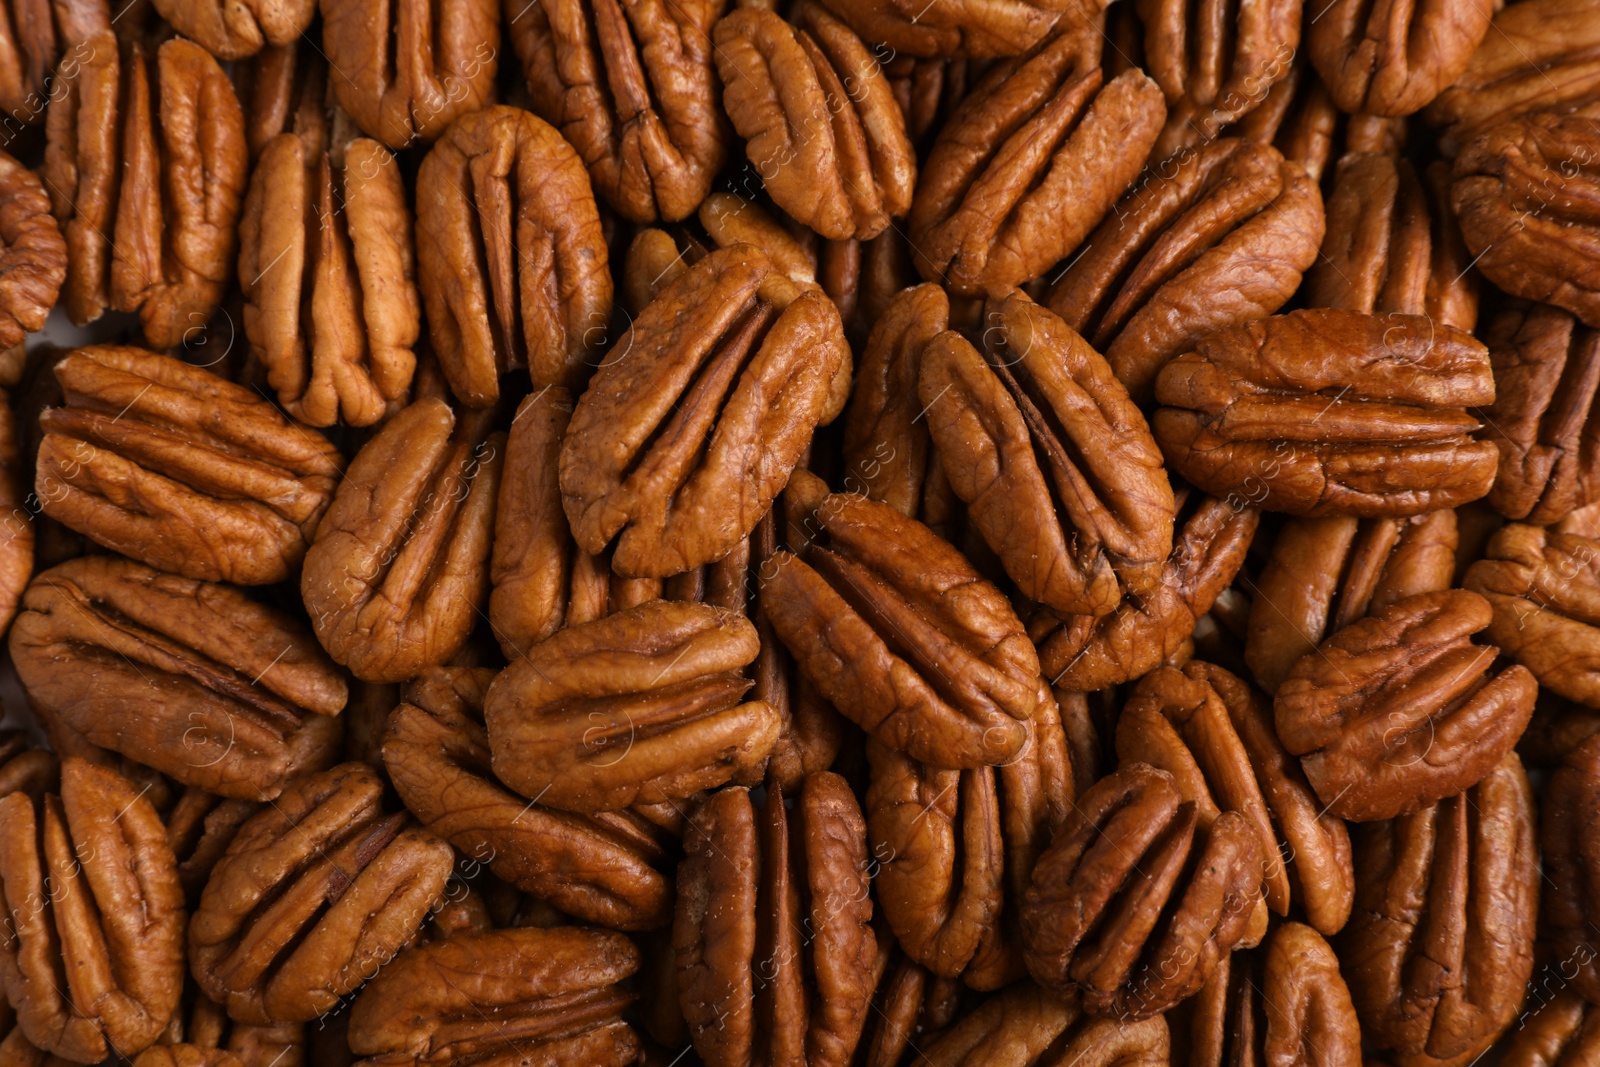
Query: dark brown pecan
point(283, 89)
point(172, 465)
point(18, 509)
point(210, 1034)
point(1329, 412)
point(1134, 902)
point(200, 827)
point(773, 933)
point(820, 123)
point(92, 957)
point(980, 30)
point(954, 849)
point(1210, 238)
point(909, 1004)
point(548, 996)
point(24, 768)
point(603, 868)
point(1382, 58)
point(237, 30)
point(1084, 653)
point(898, 631)
point(698, 414)
point(399, 571)
point(315, 894)
point(1298, 119)
point(187, 1055)
point(630, 83)
point(1561, 1030)
point(146, 172)
point(1440, 946)
point(33, 257)
point(193, 679)
point(1032, 1027)
point(406, 72)
point(1519, 191)
point(35, 35)
point(1214, 734)
point(927, 90)
point(1401, 708)
point(1324, 574)
point(1572, 867)
point(1028, 164)
point(328, 273)
point(510, 256)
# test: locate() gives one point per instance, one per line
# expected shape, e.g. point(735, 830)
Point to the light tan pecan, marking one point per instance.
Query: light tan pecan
point(1033, 1027)
point(238, 30)
point(1382, 58)
point(33, 256)
point(36, 36)
point(977, 28)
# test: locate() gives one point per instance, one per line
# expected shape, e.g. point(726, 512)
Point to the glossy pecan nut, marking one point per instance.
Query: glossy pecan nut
point(35, 35)
point(645, 705)
point(1133, 903)
point(776, 953)
point(92, 960)
point(820, 123)
point(1324, 574)
point(315, 894)
point(1052, 458)
point(193, 679)
point(1214, 734)
point(146, 171)
point(630, 83)
point(24, 768)
point(329, 278)
point(1327, 412)
point(1033, 1027)
point(977, 30)
point(1572, 866)
point(1561, 1029)
point(406, 72)
point(399, 571)
point(553, 996)
point(33, 256)
point(234, 31)
point(598, 868)
point(1085, 653)
point(172, 465)
point(698, 414)
point(1297, 118)
point(510, 256)
point(909, 1003)
point(1029, 163)
point(1439, 948)
point(1518, 187)
point(898, 631)
point(1384, 59)
point(531, 568)
point(1210, 238)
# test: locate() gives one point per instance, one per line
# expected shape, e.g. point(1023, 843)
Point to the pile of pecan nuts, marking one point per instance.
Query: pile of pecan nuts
point(820, 533)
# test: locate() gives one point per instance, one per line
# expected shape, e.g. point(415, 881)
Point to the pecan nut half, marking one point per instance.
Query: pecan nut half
point(35, 35)
point(24, 768)
point(699, 414)
point(979, 29)
point(315, 894)
point(603, 869)
point(510, 256)
point(1027, 166)
point(1561, 1032)
point(1386, 59)
point(174, 466)
point(1210, 238)
point(1134, 903)
point(1439, 948)
point(399, 571)
point(193, 679)
point(33, 255)
point(1572, 866)
point(92, 959)
point(235, 31)
point(1401, 708)
point(1328, 412)
point(776, 954)
point(1032, 1027)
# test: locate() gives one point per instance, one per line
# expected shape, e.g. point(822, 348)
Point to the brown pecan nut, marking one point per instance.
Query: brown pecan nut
point(927, 90)
point(211, 1035)
point(598, 868)
point(1440, 946)
point(1028, 164)
point(315, 894)
point(200, 826)
point(630, 84)
point(510, 256)
point(18, 509)
point(234, 31)
point(820, 123)
point(24, 768)
point(328, 273)
point(1133, 903)
point(548, 996)
point(283, 89)
point(975, 28)
point(187, 1055)
point(773, 934)
point(33, 256)
point(1387, 59)
point(909, 1003)
point(34, 36)
point(147, 181)
point(1085, 653)
point(1211, 238)
point(1326, 412)
point(1519, 187)
point(1214, 734)
point(1572, 866)
point(1563, 1030)
point(1299, 120)
point(698, 414)
point(1543, 586)
point(92, 958)
point(1324, 574)
point(899, 632)
point(1032, 1027)
point(1098, 525)
point(954, 849)
point(399, 571)
point(172, 465)
point(406, 72)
